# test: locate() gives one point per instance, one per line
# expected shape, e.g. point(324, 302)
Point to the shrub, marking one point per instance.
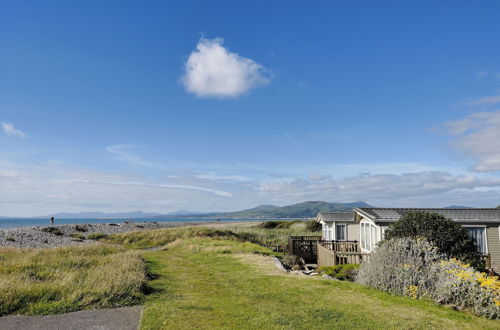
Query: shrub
point(80, 228)
point(462, 287)
point(340, 272)
point(274, 224)
point(10, 239)
point(415, 268)
point(292, 260)
point(448, 237)
point(97, 236)
point(313, 225)
point(53, 230)
point(398, 265)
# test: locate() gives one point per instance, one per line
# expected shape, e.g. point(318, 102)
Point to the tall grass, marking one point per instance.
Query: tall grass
point(57, 280)
point(258, 234)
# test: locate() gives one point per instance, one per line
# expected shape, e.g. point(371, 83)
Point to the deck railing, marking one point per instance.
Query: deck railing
point(305, 247)
point(341, 246)
point(328, 257)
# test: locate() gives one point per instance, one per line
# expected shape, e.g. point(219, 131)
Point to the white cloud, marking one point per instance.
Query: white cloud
point(10, 130)
point(379, 188)
point(212, 71)
point(477, 136)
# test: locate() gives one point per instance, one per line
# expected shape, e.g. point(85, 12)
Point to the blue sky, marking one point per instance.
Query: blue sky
point(160, 106)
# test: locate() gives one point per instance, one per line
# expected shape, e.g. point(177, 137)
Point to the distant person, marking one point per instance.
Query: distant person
point(51, 220)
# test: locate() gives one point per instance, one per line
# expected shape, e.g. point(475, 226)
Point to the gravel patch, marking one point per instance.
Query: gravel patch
point(72, 234)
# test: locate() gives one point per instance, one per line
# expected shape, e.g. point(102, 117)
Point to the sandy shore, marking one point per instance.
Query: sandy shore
point(68, 234)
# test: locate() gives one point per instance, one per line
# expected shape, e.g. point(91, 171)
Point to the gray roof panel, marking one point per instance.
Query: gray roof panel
point(379, 214)
point(336, 216)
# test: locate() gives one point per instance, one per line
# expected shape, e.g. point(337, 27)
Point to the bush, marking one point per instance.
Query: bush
point(448, 237)
point(53, 230)
point(415, 268)
point(313, 225)
point(462, 287)
point(398, 265)
point(97, 236)
point(340, 272)
point(80, 228)
point(291, 261)
point(274, 224)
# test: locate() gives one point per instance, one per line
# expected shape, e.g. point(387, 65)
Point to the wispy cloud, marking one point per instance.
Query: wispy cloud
point(477, 136)
point(124, 152)
point(484, 101)
point(213, 71)
point(10, 130)
point(482, 74)
point(215, 177)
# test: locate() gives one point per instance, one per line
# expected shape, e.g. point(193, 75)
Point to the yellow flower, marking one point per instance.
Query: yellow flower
point(412, 290)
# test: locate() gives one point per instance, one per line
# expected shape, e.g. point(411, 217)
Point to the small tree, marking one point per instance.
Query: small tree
point(448, 237)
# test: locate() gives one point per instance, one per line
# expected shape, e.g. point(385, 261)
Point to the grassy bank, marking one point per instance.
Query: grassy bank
point(249, 232)
point(47, 281)
point(226, 284)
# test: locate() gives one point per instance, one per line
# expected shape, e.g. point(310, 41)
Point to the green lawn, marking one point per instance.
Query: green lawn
point(220, 283)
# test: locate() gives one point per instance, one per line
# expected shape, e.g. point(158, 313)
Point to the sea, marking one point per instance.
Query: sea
point(26, 222)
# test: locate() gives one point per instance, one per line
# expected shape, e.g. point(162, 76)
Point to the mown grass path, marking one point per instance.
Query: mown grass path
point(208, 283)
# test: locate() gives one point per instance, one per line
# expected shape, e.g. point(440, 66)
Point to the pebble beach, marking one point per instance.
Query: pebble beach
point(72, 234)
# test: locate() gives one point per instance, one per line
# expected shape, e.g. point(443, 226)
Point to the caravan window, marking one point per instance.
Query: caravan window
point(368, 236)
point(327, 232)
point(340, 232)
point(479, 236)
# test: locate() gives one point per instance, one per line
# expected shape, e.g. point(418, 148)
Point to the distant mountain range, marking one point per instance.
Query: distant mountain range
point(102, 215)
point(300, 210)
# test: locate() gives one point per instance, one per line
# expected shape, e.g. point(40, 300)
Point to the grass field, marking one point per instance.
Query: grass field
point(208, 278)
point(48, 281)
point(225, 284)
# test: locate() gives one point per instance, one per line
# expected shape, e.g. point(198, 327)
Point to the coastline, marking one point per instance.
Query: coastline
point(36, 237)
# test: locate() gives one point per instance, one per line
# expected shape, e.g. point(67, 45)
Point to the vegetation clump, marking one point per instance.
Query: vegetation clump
point(276, 224)
point(447, 236)
point(77, 236)
point(313, 225)
point(53, 230)
point(81, 228)
point(96, 236)
point(340, 272)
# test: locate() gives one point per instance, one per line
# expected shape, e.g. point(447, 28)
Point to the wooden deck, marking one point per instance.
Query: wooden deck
point(347, 254)
point(313, 248)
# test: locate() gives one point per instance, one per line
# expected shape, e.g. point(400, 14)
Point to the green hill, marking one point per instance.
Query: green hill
point(301, 210)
